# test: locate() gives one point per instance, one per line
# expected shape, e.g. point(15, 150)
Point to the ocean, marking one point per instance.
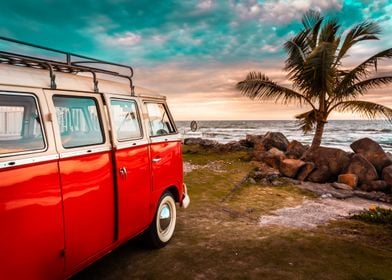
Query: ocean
point(337, 133)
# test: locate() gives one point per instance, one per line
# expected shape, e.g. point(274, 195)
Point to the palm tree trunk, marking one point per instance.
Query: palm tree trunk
point(318, 135)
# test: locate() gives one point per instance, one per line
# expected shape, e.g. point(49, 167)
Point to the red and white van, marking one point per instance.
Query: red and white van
point(87, 162)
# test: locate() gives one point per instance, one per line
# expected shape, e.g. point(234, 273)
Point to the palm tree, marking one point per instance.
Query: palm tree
point(314, 66)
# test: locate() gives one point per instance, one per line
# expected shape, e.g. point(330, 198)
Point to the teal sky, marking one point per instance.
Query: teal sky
point(192, 51)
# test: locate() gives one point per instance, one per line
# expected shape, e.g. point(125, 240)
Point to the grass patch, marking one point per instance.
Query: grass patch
point(376, 215)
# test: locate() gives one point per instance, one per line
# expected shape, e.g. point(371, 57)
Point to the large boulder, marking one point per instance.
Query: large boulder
point(387, 175)
point(330, 162)
point(290, 167)
point(272, 157)
point(361, 167)
point(372, 151)
point(305, 170)
point(378, 185)
point(251, 140)
point(200, 141)
point(275, 139)
point(295, 149)
point(348, 179)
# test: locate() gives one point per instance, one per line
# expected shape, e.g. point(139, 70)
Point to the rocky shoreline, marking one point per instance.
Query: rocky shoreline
point(366, 172)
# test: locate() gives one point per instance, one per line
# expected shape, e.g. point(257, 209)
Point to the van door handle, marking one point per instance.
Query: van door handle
point(123, 172)
point(157, 159)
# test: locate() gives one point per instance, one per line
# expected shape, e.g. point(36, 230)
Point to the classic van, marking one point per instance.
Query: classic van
point(87, 161)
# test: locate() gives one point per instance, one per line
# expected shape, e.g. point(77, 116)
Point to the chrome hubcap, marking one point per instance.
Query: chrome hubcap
point(164, 217)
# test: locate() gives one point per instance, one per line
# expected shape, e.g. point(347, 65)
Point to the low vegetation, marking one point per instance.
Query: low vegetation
point(376, 215)
point(219, 236)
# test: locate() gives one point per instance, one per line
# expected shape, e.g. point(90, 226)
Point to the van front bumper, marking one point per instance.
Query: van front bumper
point(185, 198)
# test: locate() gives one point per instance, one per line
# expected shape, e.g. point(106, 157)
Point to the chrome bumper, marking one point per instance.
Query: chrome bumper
point(185, 198)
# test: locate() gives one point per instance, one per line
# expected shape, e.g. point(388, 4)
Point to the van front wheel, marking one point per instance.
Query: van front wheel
point(162, 228)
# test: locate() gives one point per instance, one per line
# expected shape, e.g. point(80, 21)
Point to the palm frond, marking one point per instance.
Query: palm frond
point(366, 30)
point(259, 86)
point(329, 31)
point(312, 21)
point(361, 71)
point(311, 18)
point(365, 108)
point(362, 87)
point(307, 121)
point(317, 75)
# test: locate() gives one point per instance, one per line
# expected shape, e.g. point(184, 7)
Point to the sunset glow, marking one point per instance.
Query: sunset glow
point(194, 52)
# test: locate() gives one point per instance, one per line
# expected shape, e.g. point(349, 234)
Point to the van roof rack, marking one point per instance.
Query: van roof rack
point(68, 65)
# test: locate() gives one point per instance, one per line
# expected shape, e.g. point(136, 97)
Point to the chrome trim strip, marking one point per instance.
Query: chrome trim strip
point(131, 144)
point(19, 162)
point(166, 138)
point(85, 151)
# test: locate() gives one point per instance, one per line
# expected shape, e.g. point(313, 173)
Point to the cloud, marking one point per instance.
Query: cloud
point(125, 39)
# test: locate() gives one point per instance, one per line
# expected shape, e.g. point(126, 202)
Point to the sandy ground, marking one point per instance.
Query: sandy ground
point(312, 213)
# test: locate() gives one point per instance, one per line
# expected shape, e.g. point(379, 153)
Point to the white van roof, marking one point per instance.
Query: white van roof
point(39, 78)
point(72, 72)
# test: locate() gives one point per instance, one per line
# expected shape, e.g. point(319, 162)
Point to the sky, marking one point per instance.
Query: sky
point(195, 51)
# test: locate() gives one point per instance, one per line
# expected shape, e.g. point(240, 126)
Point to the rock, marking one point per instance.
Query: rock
point(378, 185)
point(321, 175)
point(251, 140)
point(272, 157)
point(252, 181)
point(295, 149)
point(277, 183)
point(387, 175)
point(325, 189)
point(305, 170)
point(200, 141)
point(361, 167)
point(378, 196)
point(342, 186)
point(275, 139)
point(348, 179)
point(277, 152)
point(290, 167)
point(330, 162)
point(373, 152)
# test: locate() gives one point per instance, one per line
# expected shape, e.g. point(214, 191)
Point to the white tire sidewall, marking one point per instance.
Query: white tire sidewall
point(166, 235)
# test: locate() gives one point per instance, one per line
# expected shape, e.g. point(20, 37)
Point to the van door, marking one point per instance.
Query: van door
point(86, 175)
point(31, 234)
point(165, 148)
point(133, 174)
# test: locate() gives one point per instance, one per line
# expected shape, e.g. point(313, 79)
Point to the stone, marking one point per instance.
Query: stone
point(252, 140)
point(387, 175)
point(275, 139)
point(378, 185)
point(268, 158)
point(348, 179)
point(330, 162)
point(378, 196)
point(325, 189)
point(290, 167)
point(373, 152)
point(276, 152)
point(361, 167)
point(295, 149)
point(200, 141)
point(321, 175)
point(341, 186)
point(305, 170)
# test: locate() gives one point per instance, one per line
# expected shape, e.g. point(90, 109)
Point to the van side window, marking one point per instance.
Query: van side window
point(20, 124)
point(159, 120)
point(125, 119)
point(78, 121)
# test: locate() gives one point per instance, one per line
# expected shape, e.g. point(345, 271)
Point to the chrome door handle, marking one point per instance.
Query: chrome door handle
point(157, 159)
point(123, 171)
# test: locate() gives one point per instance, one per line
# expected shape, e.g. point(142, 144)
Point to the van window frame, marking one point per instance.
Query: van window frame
point(99, 114)
point(168, 114)
point(39, 112)
point(138, 118)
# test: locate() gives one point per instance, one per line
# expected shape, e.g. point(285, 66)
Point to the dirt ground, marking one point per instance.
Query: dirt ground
point(233, 231)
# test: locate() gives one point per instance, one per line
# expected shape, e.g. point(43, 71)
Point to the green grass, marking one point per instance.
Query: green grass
point(376, 216)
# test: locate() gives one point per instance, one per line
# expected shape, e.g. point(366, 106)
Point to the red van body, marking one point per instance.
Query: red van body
point(82, 169)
